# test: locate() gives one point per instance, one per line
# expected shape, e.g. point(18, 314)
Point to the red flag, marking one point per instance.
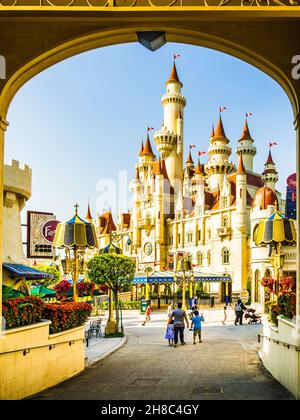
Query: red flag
point(176, 56)
point(151, 128)
point(273, 143)
point(249, 114)
point(192, 146)
point(201, 153)
point(222, 108)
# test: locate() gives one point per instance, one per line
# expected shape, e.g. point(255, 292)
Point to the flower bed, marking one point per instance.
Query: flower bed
point(65, 316)
point(22, 311)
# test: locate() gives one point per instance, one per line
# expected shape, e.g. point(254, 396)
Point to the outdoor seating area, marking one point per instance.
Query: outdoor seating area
point(93, 330)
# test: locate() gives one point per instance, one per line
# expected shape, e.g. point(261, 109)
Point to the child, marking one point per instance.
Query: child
point(197, 326)
point(170, 333)
point(225, 315)
point(147, 314)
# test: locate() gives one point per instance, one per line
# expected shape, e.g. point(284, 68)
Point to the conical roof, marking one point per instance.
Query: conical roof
point(174, 75)
point(220, 132)
point(246, 132)
point(147, 151)
point(270, 159)
point(213, 131)
point(199, 169)
point(241, 168)
point(88, 216)
point(190, 159)
point(141, 149)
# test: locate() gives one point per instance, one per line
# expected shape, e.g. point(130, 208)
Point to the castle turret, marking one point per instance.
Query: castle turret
point(246, 148)
point(159, 213)
point(169, 140)
point(88, 216)
point(199, 189)
point(145, 160)
point(219, 152)
point(136, 187)
point(270, 174)
point(241, 196)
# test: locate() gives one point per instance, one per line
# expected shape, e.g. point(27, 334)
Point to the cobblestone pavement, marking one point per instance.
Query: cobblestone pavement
point(225, 366)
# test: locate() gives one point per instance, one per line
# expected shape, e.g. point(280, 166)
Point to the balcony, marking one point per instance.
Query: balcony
point(224, 232)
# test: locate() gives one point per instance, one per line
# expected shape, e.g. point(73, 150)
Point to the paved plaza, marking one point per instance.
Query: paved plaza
point(225, 366)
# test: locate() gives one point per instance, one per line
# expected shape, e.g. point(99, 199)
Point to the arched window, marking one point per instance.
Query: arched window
point(225, 256)
point(257, 286)
point(255, 230)
point(208, 258)
point(200, 258)
point(225, 221)
point(209, 234)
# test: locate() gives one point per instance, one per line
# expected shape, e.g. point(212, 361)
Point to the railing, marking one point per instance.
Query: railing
point(50, 346)
point(278, 342)
point(224, 231)
point(142, 4)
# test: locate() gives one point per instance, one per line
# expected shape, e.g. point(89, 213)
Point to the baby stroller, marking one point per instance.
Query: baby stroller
point(252, 316)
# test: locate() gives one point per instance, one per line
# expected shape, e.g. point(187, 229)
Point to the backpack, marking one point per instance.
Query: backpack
point(238, 307)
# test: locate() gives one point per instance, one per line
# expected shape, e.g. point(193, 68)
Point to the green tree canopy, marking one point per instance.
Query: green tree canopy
point(56, 275)
point(114, 270)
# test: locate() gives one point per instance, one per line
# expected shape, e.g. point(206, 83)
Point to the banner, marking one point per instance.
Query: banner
point(41, 228)
point(291, 197)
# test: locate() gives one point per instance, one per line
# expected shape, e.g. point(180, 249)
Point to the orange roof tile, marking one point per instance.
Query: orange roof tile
point(107, 223)
point(88, 216)
point(220, 132)
point(141, 149)
point(147, 151)
point(246, 132)
point(270, 159)
point(189, 158)
point(213, 131)
point(199, 169)
point(241, 168)
point(174, 75)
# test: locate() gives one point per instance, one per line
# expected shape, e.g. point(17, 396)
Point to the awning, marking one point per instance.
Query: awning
point(42, 292)
point(165, 277)
point(29, 273)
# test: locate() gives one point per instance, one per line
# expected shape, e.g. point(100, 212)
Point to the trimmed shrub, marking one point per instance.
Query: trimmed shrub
point(274, 312)
point(65, 316)
point(126, 305)
point(22, 311)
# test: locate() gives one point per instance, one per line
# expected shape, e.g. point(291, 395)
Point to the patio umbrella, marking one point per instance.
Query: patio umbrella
point(42, 291)
point(10, 293)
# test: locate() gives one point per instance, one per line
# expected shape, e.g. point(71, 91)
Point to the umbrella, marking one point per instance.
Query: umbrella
point(10, 293)
point(42, 291)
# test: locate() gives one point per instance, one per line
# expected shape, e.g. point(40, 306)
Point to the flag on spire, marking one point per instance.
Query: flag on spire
point(192, 146)
point(176, 56)
point(273, 143)
point(222, 108)
point(201, 153)
point(150, 129)
point(249, 114)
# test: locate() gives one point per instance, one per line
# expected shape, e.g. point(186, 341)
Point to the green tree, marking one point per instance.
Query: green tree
point(114, 270)
point(48, 281)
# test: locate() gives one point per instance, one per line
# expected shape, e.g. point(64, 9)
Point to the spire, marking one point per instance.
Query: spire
point(141, 149)
point(199, 169)
point(246, 132)
point(212, 132)
point(147, 150)
point(174, 76)
point(270, 159)
point(241, 168)
point(137, 174)
point(88, 216)
point(220, 132)
point(190, 159)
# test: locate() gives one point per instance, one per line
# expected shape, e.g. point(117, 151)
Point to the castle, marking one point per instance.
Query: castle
point(206, 212)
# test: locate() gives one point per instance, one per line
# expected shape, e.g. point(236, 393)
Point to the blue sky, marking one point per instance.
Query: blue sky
point(83, 120)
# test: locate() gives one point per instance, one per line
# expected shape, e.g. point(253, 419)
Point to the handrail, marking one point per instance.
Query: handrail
point(51, 346)
point(286, 345)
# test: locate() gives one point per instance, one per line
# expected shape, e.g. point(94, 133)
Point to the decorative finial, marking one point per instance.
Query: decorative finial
point(76, 209)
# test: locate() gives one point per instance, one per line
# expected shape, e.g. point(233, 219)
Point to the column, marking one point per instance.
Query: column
point(297, 127)
point(3, 127)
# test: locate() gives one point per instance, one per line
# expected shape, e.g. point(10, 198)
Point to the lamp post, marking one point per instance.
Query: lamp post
point(75, 236)
point(184, 272)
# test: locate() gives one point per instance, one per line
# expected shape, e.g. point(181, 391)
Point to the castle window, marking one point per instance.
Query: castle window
point(225, 256)
point(200, 258)
point(209, 234)
point(225, 221)
point(208, 258)
point(199, 235)
point(179, 238)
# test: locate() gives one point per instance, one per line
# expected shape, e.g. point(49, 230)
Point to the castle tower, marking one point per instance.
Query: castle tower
point(246, 148)
point(270, 174)
point(136, 187)
point(241, 221)
point(199, 189)
point(169, 139)
point(145, 160)
point(219, 152)
point(88, 216)
point(159, 215)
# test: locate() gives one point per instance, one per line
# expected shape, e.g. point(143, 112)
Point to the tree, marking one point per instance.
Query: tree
point(114, 270)
point(48, 281)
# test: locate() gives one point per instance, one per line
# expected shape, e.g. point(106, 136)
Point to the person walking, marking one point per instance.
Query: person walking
point(170, 332)
point(147, 314)
point(225, 315)
point(179, 316)
point(239, 312)
point(170, 309)
point(197, 326)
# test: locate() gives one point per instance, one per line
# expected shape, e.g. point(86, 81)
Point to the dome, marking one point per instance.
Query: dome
point(264, 197)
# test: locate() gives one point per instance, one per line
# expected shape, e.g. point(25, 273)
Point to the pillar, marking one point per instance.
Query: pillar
point(297, 127)
point(3, 127)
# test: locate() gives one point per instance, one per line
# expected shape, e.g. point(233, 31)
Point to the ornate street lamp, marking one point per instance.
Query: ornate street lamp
point(184, 273)
point(275, 231)
point(75, 236)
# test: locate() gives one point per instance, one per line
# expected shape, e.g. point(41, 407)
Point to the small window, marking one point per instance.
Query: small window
point(225, 256)
point(208, 258)
point(199, 235)
point(200, 258)
point(225, 221)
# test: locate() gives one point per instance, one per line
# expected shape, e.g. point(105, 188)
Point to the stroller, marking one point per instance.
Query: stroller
point(252, 316)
